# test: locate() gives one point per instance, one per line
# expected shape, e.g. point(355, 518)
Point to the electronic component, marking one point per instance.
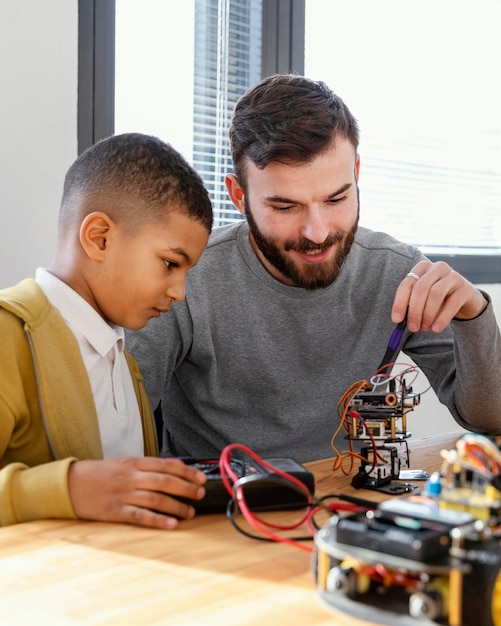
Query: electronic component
point(382, 415)
point(409, 563)
point(379, 421)
point(380, 470)
point(428, 559)
point(263, 489)
point(374, 413)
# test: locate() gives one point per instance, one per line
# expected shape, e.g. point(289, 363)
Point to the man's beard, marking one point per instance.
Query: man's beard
point(314, 276)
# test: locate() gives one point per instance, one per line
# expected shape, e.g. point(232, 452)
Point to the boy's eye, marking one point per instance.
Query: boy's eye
point(170, 264)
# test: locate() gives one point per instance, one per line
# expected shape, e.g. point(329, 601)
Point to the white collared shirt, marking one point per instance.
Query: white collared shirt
point(101, 345)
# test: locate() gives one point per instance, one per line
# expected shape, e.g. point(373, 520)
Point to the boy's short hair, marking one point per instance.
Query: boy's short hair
point(289, 119)
point(134, 178)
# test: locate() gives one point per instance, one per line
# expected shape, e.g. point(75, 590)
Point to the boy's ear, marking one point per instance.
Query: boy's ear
point(95, 231)
point(235, 192)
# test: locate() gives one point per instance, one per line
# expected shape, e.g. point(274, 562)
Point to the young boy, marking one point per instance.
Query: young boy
point(77, 437)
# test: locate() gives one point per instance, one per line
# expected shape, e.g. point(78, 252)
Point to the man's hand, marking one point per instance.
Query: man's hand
point(134, 490)
point(433, 294)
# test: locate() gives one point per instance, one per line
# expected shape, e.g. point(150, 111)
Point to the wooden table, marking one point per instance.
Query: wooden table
point(59, 572)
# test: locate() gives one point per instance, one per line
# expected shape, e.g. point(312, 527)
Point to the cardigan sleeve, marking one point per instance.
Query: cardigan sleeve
point(30, 493)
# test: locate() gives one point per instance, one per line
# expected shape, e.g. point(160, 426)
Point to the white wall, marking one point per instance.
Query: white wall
point(38, 113)
point(38, 117)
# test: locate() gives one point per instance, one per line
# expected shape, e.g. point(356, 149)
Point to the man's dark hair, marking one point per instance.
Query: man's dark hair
point(289, 119)
point(136, 179)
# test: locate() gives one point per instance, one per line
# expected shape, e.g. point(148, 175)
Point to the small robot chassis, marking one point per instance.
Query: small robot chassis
point(409, 562)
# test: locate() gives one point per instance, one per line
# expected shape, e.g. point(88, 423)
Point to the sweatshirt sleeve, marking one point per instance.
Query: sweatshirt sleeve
point(477, 352)
point(31, 493)
point(463, 365)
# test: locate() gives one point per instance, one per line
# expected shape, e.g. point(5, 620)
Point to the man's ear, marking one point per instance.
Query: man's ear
point(235, 192)
point(357, 167)
point(95, 231)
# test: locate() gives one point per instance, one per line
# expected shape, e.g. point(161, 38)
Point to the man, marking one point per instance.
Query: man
point(287, 309)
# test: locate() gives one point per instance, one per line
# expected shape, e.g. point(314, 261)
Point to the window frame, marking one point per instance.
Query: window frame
point(96, 71)
point(283, 51)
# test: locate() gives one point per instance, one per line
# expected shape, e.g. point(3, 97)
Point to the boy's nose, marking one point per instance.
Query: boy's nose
point(176, 288)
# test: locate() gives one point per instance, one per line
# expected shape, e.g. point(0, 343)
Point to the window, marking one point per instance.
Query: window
point(180, 78)
point(419, 75)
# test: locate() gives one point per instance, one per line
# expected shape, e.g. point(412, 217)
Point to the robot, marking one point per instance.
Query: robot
point(432, 559)
point(373, 415)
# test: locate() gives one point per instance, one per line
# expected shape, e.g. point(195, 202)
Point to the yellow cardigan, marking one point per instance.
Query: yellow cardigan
point(47, 413)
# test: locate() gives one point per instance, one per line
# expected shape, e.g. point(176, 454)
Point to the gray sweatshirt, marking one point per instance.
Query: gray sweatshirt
point(246, 359)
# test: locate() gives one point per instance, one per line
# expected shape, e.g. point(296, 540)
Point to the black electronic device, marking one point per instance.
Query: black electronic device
point(382, 532)
point(410, 562)
point(263, 489)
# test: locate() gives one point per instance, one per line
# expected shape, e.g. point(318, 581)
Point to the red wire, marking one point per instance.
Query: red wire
point(229, 478)
point(225, 462)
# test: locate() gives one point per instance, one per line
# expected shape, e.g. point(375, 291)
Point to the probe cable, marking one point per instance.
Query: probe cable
point(235, 486)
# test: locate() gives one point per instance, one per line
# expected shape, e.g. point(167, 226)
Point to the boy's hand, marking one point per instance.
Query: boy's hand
point(433, 294)
point(134, 490)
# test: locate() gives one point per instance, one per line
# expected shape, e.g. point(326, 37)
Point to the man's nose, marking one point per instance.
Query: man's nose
point(315, 226)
